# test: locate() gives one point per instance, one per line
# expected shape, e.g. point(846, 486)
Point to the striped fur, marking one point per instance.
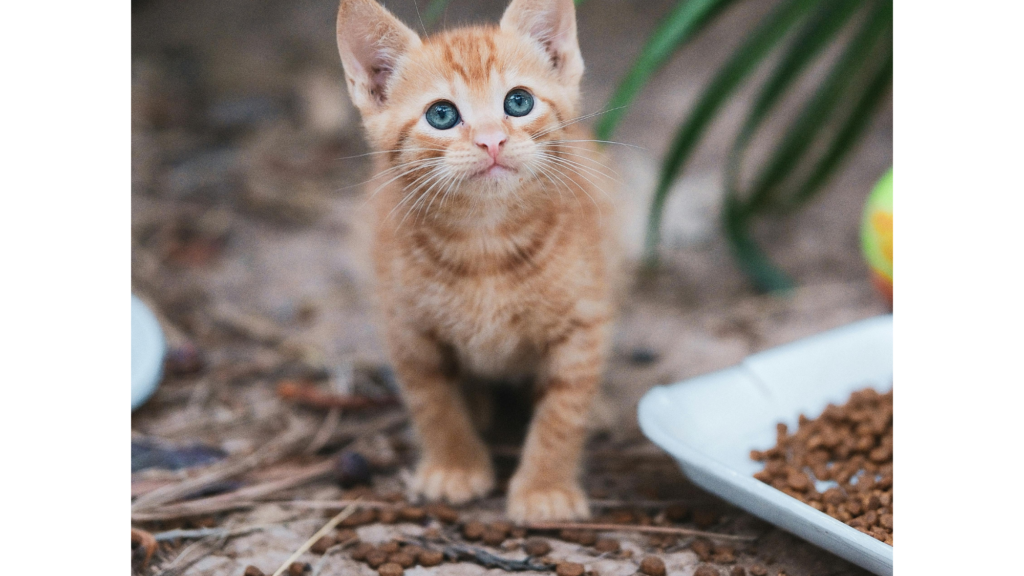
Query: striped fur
point(480, 271)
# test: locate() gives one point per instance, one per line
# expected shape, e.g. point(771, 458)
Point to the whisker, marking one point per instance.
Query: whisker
point(572, 169)
point(598, 141)
point(418, 163)
point(611, 174)
point(551, 172)
point(376, 152)
point(416, 185)
point(575, 120)
point(432, 166)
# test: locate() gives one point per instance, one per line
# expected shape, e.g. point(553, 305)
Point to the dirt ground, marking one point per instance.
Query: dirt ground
point(242, 194)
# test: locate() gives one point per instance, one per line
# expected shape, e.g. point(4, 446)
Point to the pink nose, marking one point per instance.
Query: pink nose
point(491, 141)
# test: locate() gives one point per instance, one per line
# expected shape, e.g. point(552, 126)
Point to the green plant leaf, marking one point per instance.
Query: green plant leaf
point(848, 134)
point(687, 19)
point(823, 106)
point(743, 61)
point(801, 134)
point(816, 33)
point(762, 273)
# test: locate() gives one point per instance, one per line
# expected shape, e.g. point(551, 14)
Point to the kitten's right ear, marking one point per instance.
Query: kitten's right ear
point(371, 41)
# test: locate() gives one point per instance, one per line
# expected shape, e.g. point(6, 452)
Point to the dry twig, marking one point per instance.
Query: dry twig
point(314, 397)
point(635, 528)
point(241, 498)
point(276, 450)
point(331, 525)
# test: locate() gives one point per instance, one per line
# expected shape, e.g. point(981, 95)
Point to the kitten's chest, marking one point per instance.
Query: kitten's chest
point(495, 326)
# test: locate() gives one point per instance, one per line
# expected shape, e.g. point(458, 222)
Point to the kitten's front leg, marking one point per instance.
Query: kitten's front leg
point(455, 465)
point(546, 486)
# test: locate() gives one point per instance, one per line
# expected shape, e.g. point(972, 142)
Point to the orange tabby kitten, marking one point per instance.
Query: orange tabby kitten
point(493, 249)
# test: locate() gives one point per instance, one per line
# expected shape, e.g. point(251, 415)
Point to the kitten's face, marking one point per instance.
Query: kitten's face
point(474, 109)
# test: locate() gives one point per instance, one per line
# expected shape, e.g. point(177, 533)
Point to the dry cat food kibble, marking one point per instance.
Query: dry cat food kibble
point(652, 566)
point(850, 445)
point(537, 547)
point(569, 569)
point(390, 569)
point(430, 558)
point(321, 545)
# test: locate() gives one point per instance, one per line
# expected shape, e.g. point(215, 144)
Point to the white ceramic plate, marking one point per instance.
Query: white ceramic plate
point(148, 349)
point(712, 422)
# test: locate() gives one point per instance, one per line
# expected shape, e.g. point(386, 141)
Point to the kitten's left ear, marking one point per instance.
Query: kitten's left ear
point(371, 41)
point(552, 24)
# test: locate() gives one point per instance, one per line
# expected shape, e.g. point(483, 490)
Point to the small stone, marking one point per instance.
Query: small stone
point(536, 546)
point(473, 530)
point(387, 516)
point(253, 571)
point(321, 545)
point(570, 569)
point(706, 570)
point(390, 569)
point(652, 566)
point(758, 570)
point(607, 545)
point(738, 571)
point(430, 558)
point(569, 535)
point(351, 469)
point(298, 568)
point(345, 535)
point(642, 356)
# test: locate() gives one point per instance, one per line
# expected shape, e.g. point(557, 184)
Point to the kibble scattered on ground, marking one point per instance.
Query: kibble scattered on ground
point(706, 570)
point(430, 558)
point(473, 530)
point(850, 445)
point(607, 545)
point(652, 566)
point(390, 569)
point(321, 545)
point(537, 546)
point(253, 571)
point(569, 569)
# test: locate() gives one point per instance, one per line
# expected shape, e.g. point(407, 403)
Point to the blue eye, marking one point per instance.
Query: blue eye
point(518, 102)
point(442, 115)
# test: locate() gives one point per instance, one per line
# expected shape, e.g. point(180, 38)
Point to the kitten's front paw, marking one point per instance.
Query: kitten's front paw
point(545, 503)
point(456, 484)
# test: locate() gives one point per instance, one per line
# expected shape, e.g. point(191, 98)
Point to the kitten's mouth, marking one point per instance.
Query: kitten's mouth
point(495, 170)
